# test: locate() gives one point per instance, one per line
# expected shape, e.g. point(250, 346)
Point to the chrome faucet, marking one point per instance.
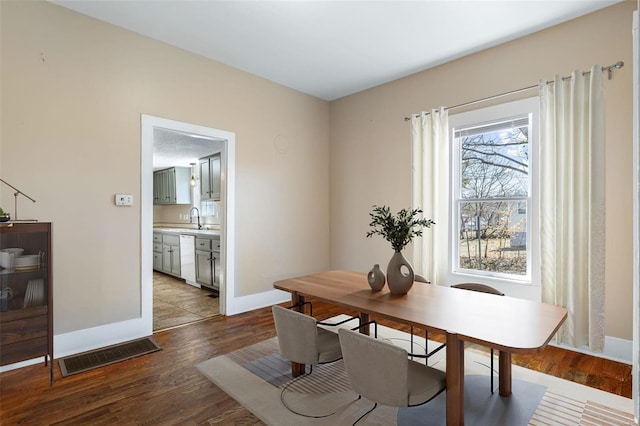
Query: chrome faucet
point(198, 215)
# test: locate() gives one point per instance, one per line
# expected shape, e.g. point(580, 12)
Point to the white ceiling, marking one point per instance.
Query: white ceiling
point(331, 49)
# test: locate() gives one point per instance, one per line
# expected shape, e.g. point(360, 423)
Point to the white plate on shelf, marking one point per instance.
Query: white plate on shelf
point(27, 260)
point(34, 295)
point(15, 250)
point(9, 255)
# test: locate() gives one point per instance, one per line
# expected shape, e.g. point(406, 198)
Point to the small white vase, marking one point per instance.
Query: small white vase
point(375, 277)
point(399, 281)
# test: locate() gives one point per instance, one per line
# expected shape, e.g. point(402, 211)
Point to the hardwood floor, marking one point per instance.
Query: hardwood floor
point(164, 388)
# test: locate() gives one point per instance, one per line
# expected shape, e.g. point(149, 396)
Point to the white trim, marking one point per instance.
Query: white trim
point(259, 300)
point(615, 349)
point(227, 287)
point(618, 349)
point(488, 115)
point(90, 338)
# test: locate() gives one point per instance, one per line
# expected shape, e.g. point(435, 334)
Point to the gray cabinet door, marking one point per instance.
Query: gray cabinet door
point(156, 187)
point(210, 169)
point(171, 259)
point(170, 196)
point(204, 268)
point(214, 167)
point(175, 260)
point(171, 186)
point(216, 269)
point(157, 261)
point(205, 179)
point(164, 187)
point(166, 258)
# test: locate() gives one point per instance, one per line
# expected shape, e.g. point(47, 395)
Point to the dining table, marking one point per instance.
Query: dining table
point(507, 324)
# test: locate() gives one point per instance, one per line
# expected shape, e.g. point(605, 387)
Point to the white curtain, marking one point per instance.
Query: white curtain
point(572, 204)
point(430, 138)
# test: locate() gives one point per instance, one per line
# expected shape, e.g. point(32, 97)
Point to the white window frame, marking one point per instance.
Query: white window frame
point(517, 285)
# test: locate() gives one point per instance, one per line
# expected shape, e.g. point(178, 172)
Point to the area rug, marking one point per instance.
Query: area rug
point(255, 375)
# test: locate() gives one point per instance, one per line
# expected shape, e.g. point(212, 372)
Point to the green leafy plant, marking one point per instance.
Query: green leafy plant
point(398, 229)
point(3, 213)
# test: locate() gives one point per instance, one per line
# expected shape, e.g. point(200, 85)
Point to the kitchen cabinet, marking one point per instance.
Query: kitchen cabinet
point(210, 168)
point(26, 293)
point(172, 186)
point(157, 251)
point(171, 254)
point(208, 262)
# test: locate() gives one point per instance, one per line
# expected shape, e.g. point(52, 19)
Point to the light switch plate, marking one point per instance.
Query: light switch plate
point(124, 199)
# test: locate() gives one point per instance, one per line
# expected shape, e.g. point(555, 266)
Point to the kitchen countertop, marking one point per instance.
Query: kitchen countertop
point(189, 231)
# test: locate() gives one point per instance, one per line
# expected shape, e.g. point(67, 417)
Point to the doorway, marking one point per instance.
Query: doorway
point(176, 303)
point(192, 141)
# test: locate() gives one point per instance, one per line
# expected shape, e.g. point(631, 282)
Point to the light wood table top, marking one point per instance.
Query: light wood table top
point(507, 324)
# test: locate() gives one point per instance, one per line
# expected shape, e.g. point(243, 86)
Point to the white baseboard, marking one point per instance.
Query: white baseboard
point(88, 339)
point(615, 349)
point(256, 301)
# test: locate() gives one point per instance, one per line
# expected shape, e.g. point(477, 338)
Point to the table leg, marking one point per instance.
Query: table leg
point(455, 380)
point(504, 373)
point(364, 318)
point(297, 369)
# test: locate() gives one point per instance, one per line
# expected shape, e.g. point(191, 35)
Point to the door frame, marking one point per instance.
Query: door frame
point(227, 225)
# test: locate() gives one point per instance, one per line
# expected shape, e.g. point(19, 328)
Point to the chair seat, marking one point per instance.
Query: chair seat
point(328, 346)
point(424, 383)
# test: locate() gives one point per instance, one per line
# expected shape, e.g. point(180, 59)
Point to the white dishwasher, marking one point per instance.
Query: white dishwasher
point(188, 259)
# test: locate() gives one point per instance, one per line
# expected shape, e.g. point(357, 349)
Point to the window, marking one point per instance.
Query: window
point(492, 192)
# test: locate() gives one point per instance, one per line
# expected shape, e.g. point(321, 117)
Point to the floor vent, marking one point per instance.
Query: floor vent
point(100, 357)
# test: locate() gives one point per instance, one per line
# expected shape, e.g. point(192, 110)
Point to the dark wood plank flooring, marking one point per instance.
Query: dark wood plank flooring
point(164, 388)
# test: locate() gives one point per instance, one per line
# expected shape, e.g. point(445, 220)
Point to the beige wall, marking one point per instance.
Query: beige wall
point(370, 141)
point(72, 91)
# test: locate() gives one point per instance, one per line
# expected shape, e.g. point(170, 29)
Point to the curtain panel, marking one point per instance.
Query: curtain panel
point(572, 203)
point(430, 152)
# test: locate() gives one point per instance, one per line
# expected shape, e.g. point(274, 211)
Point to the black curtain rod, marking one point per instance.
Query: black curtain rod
point(609, 70)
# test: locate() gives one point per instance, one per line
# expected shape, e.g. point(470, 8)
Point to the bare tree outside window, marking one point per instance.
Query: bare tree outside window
point(493, 196)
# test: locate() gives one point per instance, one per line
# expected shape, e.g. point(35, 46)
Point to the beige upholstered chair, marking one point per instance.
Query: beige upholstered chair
point(482, 288)
point(382, 373)
point(302, 341)
point(420, 279)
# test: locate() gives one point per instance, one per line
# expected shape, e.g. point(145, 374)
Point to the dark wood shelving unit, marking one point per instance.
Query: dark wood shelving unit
point(26, 319)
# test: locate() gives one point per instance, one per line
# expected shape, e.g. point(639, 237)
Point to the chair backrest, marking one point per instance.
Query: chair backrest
point(420, 279)
point(297, 335)
point(482, 288)
point(376, 370)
